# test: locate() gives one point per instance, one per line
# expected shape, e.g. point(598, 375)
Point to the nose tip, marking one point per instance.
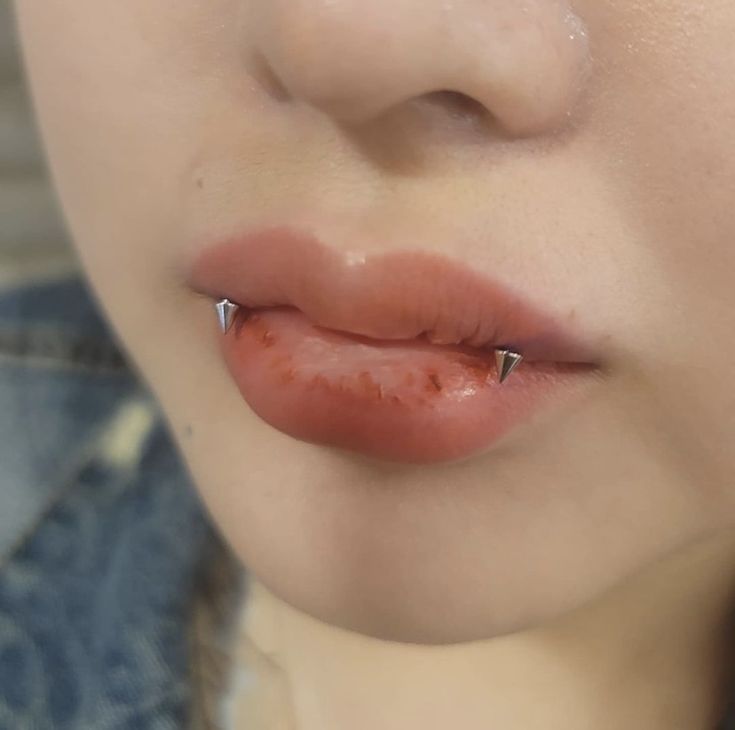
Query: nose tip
point(524, 62)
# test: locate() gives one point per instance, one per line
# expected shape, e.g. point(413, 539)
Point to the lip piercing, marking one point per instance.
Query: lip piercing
point(226, 311)
point(506, 360)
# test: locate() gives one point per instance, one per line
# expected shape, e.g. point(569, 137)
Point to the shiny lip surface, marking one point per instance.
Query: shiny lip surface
point(389, 355)
point(389, 295)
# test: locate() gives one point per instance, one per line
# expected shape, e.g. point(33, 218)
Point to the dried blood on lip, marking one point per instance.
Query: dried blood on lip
point(396, 371)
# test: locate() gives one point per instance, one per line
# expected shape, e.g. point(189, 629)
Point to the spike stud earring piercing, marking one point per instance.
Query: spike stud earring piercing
point(506, 360)
point(226, 311)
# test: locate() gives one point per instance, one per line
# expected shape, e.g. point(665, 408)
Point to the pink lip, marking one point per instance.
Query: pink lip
point(327, 373)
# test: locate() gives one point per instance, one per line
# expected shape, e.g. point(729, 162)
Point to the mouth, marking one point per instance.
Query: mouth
point(403, 356)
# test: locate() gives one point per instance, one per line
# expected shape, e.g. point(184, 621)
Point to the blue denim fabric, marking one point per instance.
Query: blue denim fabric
point(101, 545)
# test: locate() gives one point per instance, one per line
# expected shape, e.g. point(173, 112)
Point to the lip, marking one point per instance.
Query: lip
point(377, 316)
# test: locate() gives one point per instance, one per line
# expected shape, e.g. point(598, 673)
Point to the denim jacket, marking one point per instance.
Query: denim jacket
point(114, 586)
point(116, 594)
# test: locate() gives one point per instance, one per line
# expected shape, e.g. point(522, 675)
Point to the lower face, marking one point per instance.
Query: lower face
point(162, 140)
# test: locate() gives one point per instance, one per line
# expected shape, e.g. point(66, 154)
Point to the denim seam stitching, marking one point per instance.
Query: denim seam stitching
point(41, 345)
point(37, 362)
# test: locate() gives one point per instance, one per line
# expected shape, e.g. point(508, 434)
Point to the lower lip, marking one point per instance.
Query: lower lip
point(408, 401)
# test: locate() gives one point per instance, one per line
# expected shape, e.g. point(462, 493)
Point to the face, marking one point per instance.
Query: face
point(581, 156)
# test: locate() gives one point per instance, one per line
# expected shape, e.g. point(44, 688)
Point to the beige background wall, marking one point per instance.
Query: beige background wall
point(32, 235)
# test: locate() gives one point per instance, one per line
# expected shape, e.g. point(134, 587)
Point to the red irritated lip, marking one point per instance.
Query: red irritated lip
point(390, 355)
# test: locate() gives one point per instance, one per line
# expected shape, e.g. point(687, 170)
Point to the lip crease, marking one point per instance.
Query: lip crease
point(388, 354)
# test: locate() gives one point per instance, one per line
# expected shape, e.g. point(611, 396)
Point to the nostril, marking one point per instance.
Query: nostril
point(449, 112)
point(457, 104)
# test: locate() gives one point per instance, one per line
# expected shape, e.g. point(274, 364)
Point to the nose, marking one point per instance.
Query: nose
point(524, 61)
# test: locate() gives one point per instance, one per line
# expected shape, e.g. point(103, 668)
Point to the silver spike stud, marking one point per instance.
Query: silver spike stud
point(506, 360)
point(226, 311)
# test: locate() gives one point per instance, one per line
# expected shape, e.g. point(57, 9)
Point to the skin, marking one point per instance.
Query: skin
point(578, 575)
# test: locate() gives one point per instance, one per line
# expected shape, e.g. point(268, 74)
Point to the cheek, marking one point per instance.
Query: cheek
point(122, 92)
point(670, 108)
point(670, 114)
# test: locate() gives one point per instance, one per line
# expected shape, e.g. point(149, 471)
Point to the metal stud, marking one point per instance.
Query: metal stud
point(226, 311)
point(506, 360)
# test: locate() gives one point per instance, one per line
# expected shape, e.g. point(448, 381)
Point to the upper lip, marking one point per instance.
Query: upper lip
point(392, 295)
